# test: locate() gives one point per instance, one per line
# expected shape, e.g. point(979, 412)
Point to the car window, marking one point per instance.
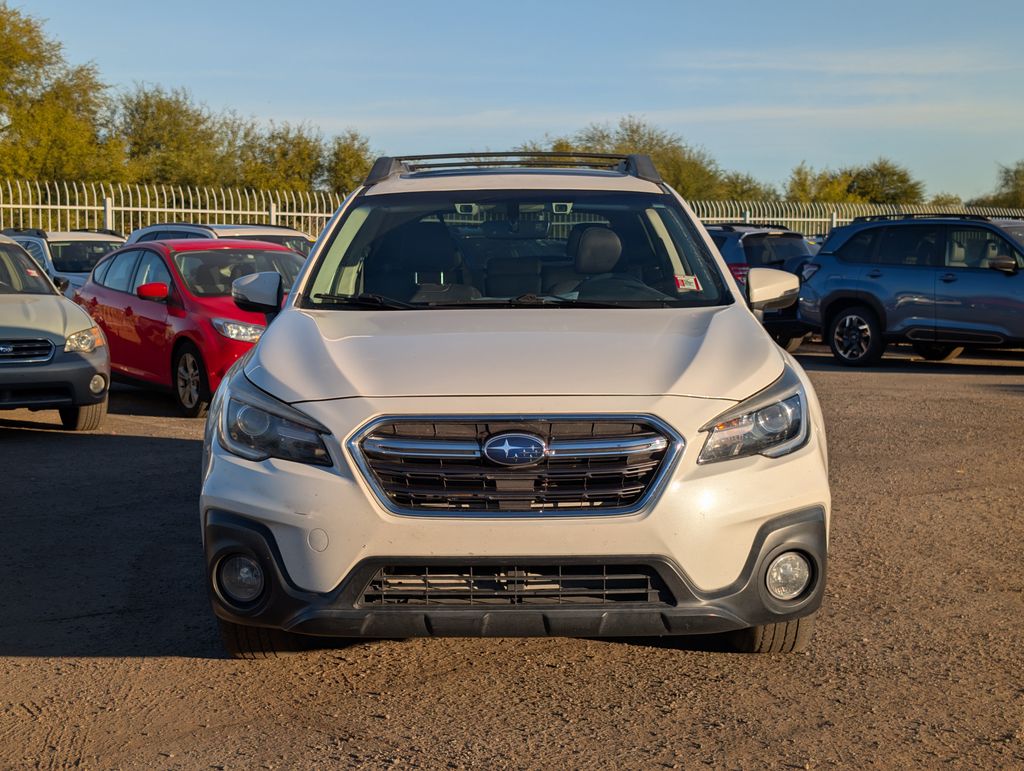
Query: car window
point(298, 244)
point(859, 247)
point(974, 247)
point(919, 245)
point(770, 249)
point(152, 235)
point(79, 256)
point(119, 275)
point(719, 240)
point(100, 271)
point(34, 248)
point(151, 270)
point(210, 273)
point(19, 273)
point(489, 248)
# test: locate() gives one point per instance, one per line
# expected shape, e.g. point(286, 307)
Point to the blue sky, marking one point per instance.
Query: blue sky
point(937, 86)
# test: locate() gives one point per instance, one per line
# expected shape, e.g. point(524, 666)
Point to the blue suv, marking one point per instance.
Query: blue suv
point(936, 281)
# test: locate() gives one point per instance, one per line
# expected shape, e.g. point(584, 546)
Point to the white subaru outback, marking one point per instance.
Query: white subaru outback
point(515, 395)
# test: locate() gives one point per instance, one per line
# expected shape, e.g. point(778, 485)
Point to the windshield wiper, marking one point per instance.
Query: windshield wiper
point(531, 299)
point(364, 300)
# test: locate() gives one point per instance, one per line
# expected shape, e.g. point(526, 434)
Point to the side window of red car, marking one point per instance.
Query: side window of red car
point(119, 275)
point(151, 270)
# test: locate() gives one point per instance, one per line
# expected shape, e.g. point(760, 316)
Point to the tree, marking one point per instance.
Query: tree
point(348, 160)
point(884, 181)
point(51, 123)
point(806, 185)
point(690, 170)
point(946, 199)
point(1010, 190)
point(282, 157)
point(736, 186)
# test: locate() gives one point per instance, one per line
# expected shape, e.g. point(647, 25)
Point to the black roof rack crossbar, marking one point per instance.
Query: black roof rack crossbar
point(732, 226)
point(101, 231)
point(37, 232)
point(635, 165)
point(922, 215)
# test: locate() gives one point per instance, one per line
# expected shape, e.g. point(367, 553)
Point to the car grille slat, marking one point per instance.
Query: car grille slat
point(497, 585)
point(25, 351)
point(596, 465)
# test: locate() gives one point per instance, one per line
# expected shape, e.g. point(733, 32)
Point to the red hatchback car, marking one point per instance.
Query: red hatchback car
point(167, 311)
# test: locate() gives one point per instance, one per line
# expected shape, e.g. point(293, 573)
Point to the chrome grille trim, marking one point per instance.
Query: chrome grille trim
point(366, 449)
point(26, 351)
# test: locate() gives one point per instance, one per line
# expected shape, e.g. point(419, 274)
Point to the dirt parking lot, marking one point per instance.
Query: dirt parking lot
point(109, 656)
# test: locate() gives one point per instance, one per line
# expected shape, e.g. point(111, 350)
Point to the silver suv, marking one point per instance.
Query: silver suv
point(937, 281)
point(67, 256)
point(276, 234)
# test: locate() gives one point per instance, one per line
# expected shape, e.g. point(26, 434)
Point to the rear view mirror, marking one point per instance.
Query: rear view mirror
point(259, 293)
point(156, 291)
point(1004, 263)
point(769, 289)
point(61, 283)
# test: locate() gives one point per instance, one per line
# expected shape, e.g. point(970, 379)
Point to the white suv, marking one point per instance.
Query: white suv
point(295, 240)
point(67, 256)
point(515, 395)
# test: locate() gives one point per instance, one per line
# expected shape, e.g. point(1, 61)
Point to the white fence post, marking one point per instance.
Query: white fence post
point(272, 212)
point(108, 213)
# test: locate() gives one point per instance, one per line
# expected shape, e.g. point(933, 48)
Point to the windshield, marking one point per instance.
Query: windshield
point(769, 249)
point(79, 256)
point(209, 274)
point(298, 244)
point(523, 248)
point(19, 273)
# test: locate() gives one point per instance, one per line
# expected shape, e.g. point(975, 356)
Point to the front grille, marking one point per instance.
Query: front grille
point(499, 585)
point(25, 351)
point(591, 466)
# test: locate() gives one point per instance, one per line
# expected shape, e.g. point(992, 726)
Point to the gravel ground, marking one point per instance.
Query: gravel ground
point(109, 656)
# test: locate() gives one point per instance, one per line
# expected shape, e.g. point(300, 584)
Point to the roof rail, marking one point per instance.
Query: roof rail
point(634, 165)
point(921, 215)
point(733, 226)
point(37, 232)
point(101, 231)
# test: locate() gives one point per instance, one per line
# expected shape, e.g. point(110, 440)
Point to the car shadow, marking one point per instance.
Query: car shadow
point(103, 554)
point(820, 359)
point(132, 400)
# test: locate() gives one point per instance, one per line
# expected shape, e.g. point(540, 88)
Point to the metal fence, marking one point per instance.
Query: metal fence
point(69, 205)
point(820, 218)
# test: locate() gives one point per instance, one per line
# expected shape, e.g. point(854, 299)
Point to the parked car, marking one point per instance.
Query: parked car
point(166, 309)
point(295, 240)
point(744, 245)
point(939, 282)
point(52, 355)
point(446, 432)
point(67, 256)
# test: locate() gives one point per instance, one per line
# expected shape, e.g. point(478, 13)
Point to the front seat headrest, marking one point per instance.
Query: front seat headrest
point(420, 246)
point(598, 251)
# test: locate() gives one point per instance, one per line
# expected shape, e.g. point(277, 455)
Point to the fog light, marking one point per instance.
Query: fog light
point(240, 579)
point(788, 575)
point(97, 384)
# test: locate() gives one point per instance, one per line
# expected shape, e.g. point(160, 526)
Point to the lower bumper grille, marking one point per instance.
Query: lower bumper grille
point(500, 585)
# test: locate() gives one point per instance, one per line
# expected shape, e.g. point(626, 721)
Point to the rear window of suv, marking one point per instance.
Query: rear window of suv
point(774, 249)
point(495, 248)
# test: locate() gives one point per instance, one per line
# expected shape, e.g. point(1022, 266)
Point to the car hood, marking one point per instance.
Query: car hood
point(35, 315)
point(718, 353)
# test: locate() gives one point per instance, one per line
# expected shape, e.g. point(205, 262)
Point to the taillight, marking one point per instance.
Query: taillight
point(740, 271)
point(808, 270)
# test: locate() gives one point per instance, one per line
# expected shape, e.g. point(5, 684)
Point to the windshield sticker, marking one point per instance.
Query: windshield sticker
point(687, 284)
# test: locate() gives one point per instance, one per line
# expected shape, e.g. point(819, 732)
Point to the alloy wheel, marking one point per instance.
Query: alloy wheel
point(852, 337)
point(188, 380)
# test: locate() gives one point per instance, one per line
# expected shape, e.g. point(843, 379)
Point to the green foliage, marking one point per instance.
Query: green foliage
point(946, 199)
point(1010, 189)
point(348, 161)
point(881, 181)
point(282, 157)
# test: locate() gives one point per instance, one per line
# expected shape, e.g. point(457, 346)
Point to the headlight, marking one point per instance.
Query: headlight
point(257, 426)
point(773, 422)
point(86, 341)
point(239, 330)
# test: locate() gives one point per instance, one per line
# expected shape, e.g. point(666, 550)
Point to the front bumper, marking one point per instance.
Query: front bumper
point(61, 382)
point(340, 613)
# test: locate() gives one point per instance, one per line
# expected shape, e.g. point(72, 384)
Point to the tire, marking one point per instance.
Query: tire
point(257, 642)
point(189, 382)
point(937, 351)
point(784, 637)
point(87, 417)
point(790, 344)
point(855, 337)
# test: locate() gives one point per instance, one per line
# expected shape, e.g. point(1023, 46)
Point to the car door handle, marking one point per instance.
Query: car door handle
point(876, 273)
point(948, 278)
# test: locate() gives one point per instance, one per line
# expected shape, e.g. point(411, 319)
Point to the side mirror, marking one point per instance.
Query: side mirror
point(769, 289)
point(157, 291)
point(1004, 263)
point(259, 292)
point(61, 283)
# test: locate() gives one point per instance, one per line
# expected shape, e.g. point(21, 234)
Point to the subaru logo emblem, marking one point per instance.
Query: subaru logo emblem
point(5, 348)
point(515, 449)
